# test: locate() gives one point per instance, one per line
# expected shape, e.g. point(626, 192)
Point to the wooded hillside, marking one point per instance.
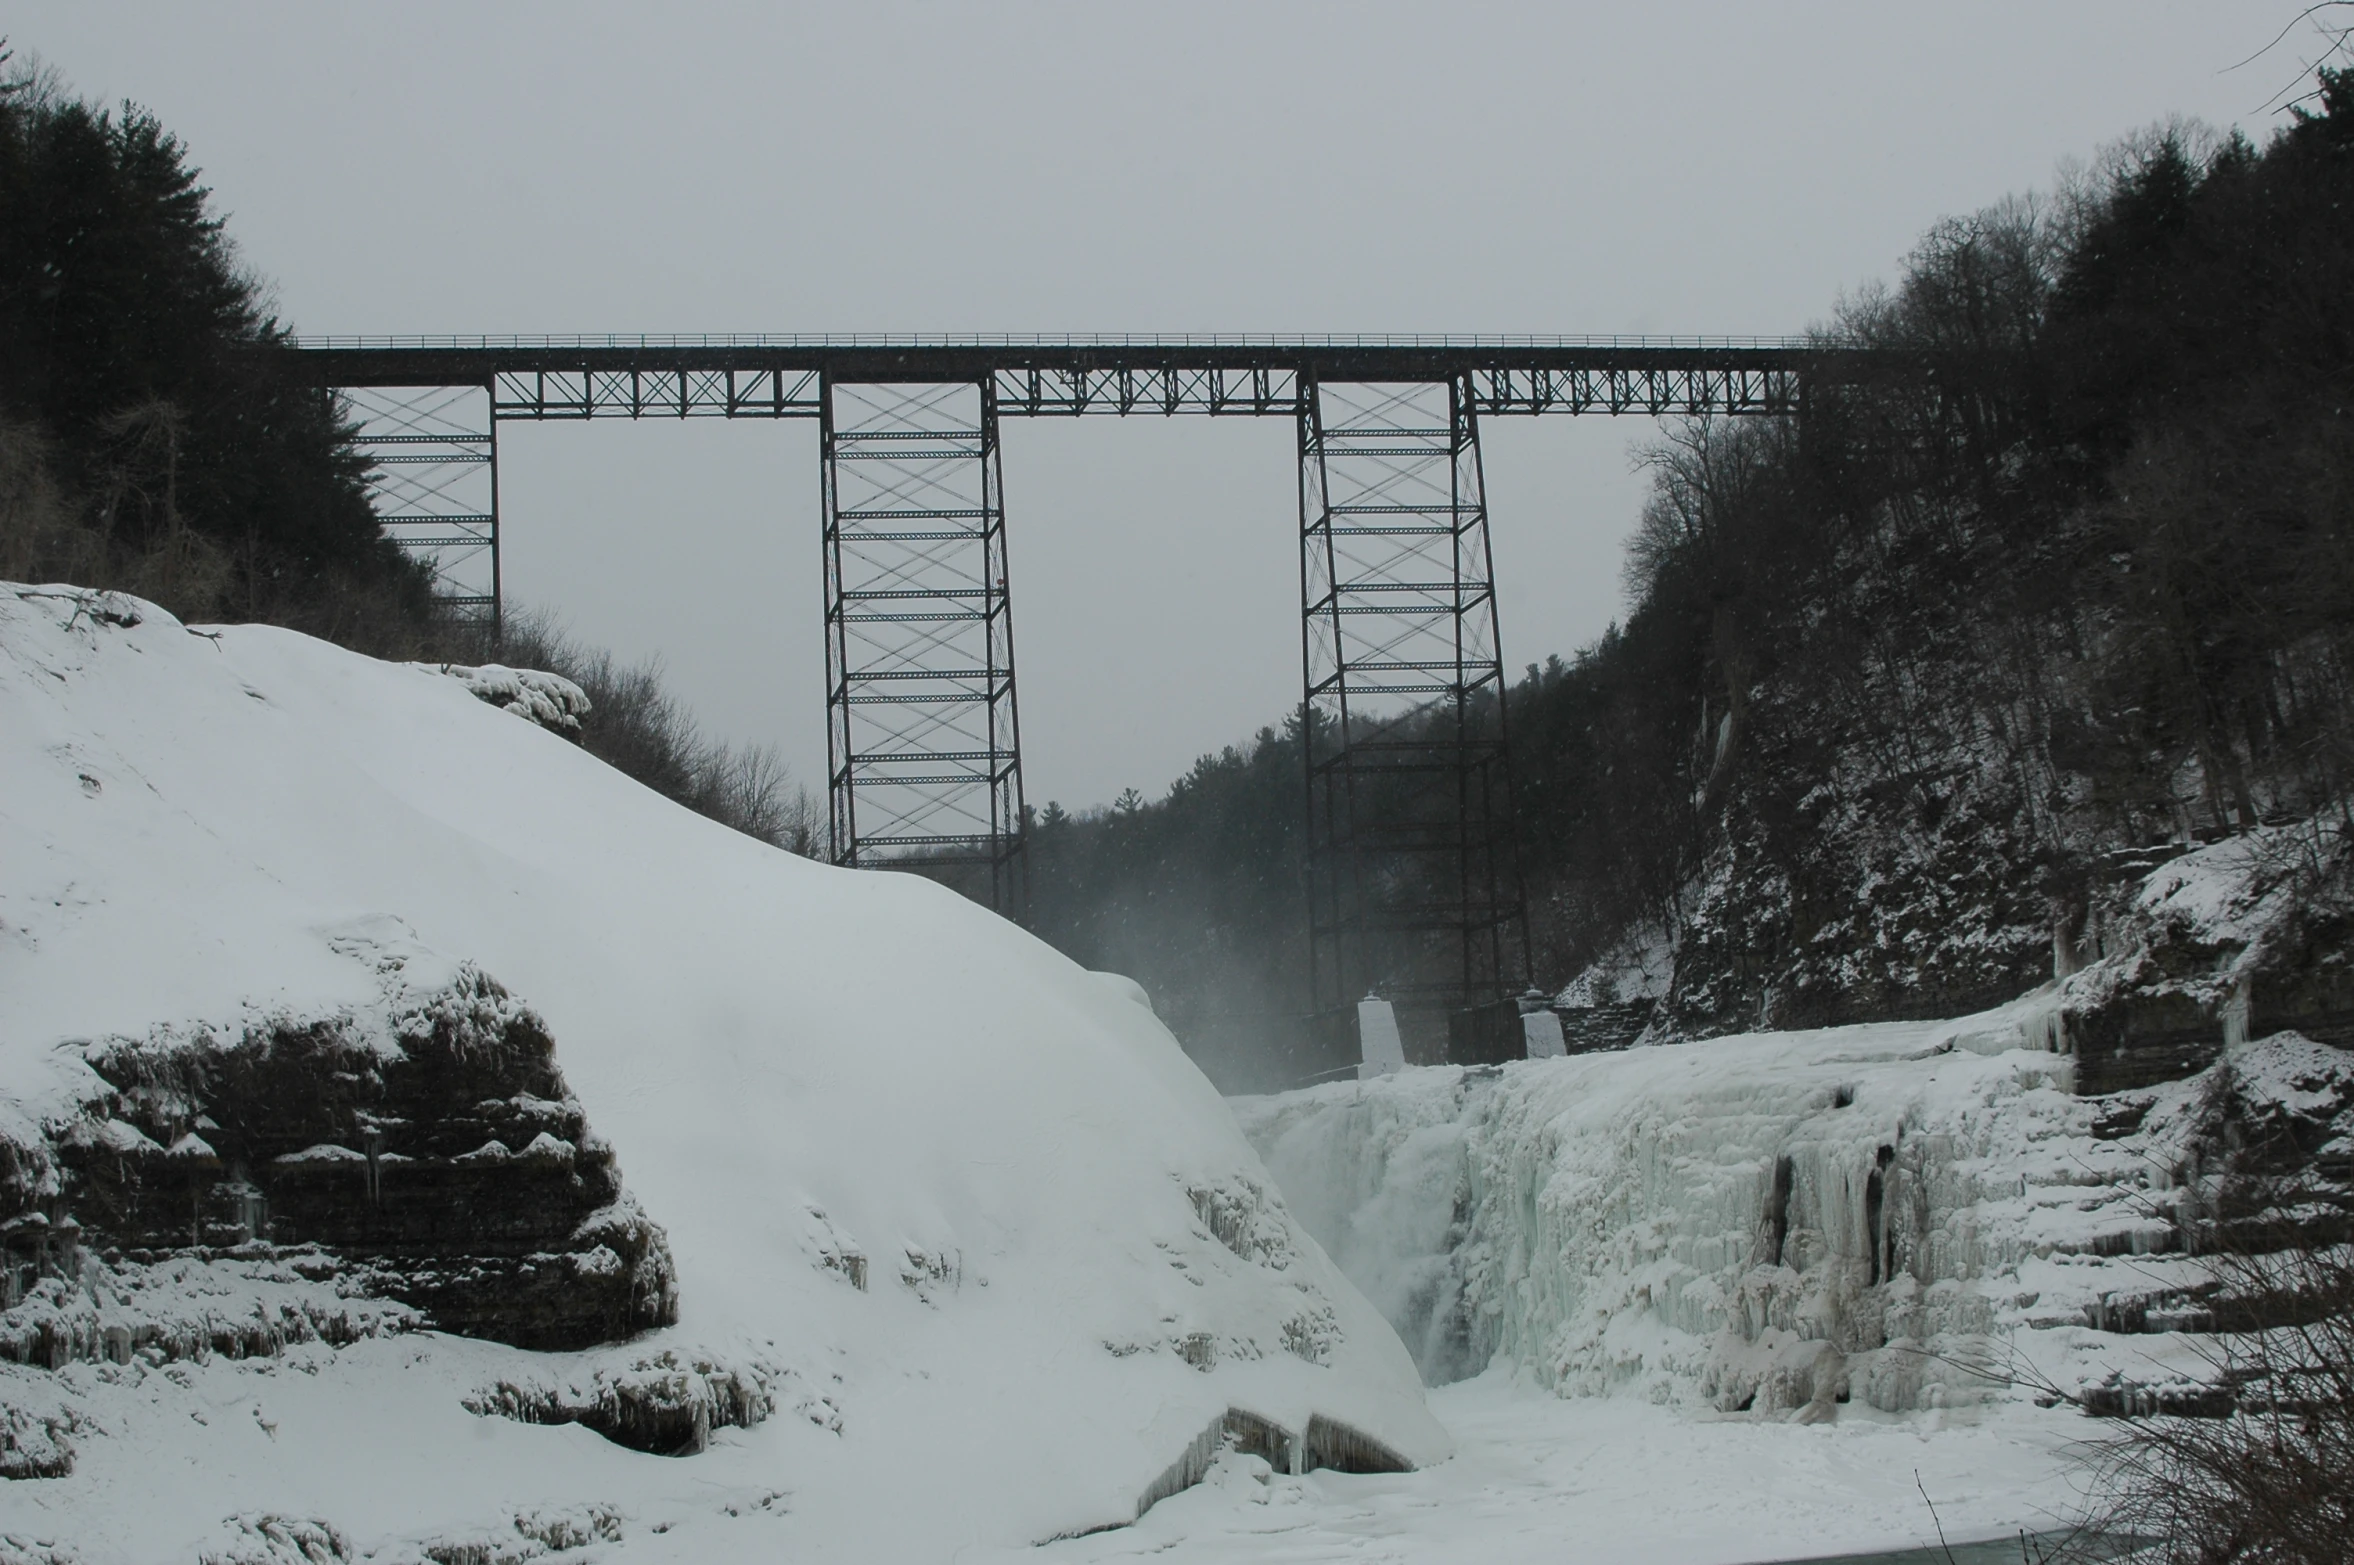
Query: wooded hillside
point(1898, 680)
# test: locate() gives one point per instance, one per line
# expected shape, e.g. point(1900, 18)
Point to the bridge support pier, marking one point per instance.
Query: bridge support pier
point(1414, 885)
point(433, 479)
point(923, 749)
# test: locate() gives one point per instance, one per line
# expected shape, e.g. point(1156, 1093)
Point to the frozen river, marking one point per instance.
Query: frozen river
point(1539, 1478)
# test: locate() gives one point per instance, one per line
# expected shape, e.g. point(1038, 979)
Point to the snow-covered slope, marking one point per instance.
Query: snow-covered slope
point(1073, 1263)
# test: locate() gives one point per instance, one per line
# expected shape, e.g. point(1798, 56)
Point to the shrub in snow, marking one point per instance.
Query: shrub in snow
point(550, 700)
point(272, 1539)
point(663, 1404)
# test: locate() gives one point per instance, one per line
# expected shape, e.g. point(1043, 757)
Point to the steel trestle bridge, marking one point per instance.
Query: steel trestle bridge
point(1414, 885)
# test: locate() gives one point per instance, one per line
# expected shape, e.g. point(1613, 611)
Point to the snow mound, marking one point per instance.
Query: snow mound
point(953, 1219)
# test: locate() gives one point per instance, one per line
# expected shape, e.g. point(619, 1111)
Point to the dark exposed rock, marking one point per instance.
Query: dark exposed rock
point(1327, 1443)
point(2178, 1399)
point(1835, 900)
point(250, 1304)
point(1333, 1444)
point(1595, 1029)
point(431, 1155)
point(2140, 1040)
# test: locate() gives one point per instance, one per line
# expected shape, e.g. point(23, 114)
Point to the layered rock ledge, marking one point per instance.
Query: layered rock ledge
point(425, 1152)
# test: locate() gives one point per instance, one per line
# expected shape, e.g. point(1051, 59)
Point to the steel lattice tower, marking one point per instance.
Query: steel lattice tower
point(922, 739)
point(1414, 887)
point(433, 480)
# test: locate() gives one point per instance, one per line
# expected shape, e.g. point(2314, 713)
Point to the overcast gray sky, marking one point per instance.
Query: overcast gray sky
point(429, 167)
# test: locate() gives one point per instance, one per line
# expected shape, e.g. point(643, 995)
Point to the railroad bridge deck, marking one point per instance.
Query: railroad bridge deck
point(758, 376)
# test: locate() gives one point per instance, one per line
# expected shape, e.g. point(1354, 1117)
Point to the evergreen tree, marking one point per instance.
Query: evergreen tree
point(138, 365)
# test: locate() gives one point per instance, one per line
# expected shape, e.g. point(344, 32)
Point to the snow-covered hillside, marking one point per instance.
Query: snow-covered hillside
point(957, 1217)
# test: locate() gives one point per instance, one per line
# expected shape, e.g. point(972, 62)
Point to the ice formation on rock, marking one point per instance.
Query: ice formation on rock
point(1377, 1038)
point(1901, 1214)
point(958, 1216)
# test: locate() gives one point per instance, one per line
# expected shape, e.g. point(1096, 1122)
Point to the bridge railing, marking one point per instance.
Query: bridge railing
point(1419, 340)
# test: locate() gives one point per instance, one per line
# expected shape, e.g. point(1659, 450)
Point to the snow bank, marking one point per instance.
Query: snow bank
point(1897, 1215)
point(958, 1216)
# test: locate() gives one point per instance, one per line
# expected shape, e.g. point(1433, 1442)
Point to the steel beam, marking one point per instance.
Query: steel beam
point(1414, 883)
point(923, 747)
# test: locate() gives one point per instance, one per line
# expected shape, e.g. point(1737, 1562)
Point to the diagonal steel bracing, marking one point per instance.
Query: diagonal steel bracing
point(923, 747)
point(1414, 890)
point(433, 479)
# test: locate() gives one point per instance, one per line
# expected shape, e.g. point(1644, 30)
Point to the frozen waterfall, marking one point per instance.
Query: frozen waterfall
point(1897, 1215)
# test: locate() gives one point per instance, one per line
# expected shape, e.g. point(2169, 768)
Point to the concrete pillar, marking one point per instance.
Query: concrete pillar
point(1379, 1049)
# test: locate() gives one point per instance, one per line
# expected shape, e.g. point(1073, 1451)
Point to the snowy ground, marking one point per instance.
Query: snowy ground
point(1539, 1479)
point(1535, 1478)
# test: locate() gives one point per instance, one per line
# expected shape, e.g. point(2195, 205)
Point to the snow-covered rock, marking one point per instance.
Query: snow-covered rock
point(966, 1250)
point(550, 700)
point(2241, 938)
point(357, 1132)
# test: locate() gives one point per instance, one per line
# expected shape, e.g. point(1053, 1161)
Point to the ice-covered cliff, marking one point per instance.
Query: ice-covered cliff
point(964, 1248)
point(1901, 1215)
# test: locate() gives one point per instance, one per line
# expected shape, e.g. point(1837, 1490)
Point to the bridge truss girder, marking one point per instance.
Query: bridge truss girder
point(425, 455)
point(1414, 883)
point(1175, 389)
point(923, 750)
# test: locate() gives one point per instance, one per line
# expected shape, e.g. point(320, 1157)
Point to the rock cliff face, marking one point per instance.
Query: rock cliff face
point(2167, 955)
point(425, 1151)
point(2250, 936)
